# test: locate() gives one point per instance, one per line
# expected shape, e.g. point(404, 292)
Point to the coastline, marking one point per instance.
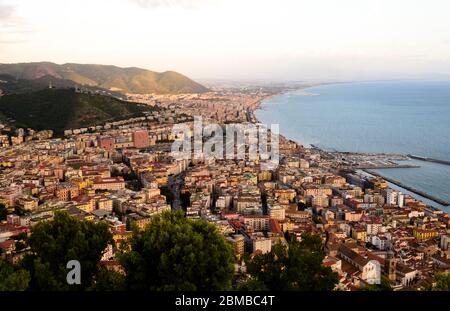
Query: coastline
point(417, 194)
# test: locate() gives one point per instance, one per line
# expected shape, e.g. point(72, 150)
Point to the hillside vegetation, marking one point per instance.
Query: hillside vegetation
point(61, 109)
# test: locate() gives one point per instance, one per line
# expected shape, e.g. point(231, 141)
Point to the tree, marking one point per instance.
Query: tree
point(185, 198)
point(297, 266)
point(165, 191)
point(12, 279)
point(384, 286)
point(19, 211)
point(3, 212)
point(176, 253)
point(107, 280)
point(53, 244)
point(442, 282)
point(301, 206)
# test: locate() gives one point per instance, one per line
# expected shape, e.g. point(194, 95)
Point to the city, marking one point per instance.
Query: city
point(224, 154)
point(123, 173)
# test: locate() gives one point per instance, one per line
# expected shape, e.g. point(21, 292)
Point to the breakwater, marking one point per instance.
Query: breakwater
point(415, 157)
point(414, 190)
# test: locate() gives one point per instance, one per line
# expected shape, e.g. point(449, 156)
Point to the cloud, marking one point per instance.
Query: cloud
point(11, 41)
point(6, 11)
point(185, 4)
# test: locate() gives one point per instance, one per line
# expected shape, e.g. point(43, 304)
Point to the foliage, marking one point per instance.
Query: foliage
point(176, 253)
point(107, 280)
point(297, 266)
point(384, 286)
point(12, 279)
point(3, 212)
point(56, 242)
point(18, 210)
point(301, 206)
point(442, 282)
point(168, 194)
point(61, 109)
point(185, 199)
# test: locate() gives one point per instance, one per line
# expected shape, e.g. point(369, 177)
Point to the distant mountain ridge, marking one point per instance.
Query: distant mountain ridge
point(113, 78)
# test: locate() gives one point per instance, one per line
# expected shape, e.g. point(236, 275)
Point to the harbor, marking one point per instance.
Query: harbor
point(409, 188)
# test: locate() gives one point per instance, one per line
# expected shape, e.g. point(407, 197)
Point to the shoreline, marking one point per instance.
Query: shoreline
point(402, 186)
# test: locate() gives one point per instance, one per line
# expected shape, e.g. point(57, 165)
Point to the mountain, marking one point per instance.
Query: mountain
point(61, 109)
point(10, 84)
point(124, 80)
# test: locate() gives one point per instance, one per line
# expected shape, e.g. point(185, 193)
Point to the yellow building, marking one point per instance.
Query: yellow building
point(359, 234)
point(425, 233)
point(265, 176)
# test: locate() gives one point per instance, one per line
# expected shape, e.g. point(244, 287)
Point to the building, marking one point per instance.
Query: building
point(66, 192)
point(140, 139)
point(105, 204)
point(370, 269)
point(238, 243)
point(263, 245)
point(423, 234)
point(140, 221)
point(445, 242)
point(257, 223)
point(359, 234)
point(380, 242)
point(285, 194)
point(28, 203)
point(106, 142)
point(277, 212)
point(112, 183)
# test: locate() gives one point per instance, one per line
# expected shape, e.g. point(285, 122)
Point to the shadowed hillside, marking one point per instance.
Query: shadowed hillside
point(61, 109)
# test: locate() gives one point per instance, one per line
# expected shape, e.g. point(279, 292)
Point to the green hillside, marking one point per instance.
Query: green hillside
point(61, 109)
point(125, 80)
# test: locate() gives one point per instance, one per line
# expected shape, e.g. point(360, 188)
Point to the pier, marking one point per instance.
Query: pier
point(414, 190)
point(415, 157)
point(364, 167)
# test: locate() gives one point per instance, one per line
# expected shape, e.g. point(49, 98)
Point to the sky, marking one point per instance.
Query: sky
point(267, 40)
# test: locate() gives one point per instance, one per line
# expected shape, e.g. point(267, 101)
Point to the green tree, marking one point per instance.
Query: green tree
point(107, 280)
point(56, 242)
point(442, 282)
point(176, 253)
point(384, 286)
point(12, 279)
point(3, 212)
point(297, 266)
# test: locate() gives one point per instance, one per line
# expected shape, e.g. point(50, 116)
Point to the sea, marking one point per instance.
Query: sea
point(408, 117)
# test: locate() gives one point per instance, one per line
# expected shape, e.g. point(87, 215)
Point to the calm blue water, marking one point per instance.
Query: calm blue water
point(402, 117)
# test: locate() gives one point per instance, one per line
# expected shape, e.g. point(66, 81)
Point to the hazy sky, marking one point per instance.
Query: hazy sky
point(236, 39)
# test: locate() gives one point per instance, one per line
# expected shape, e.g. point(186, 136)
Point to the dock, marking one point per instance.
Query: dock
point(413, 190)
point(364, 167)
point(415, 157)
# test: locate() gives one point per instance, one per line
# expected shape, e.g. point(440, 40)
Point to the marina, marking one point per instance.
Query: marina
point(409, 188)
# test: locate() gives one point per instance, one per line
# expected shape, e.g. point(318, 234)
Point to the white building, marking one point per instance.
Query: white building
point(261, 244)
point(277, 212)
point(370, 269)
